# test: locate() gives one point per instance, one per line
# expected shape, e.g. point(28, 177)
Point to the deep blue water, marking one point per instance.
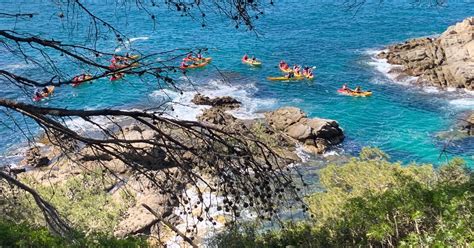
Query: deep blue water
point(400, 119)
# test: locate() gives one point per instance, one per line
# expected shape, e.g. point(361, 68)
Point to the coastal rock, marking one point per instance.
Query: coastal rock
point(282, 128)
point(226, 102)
point(282, 118)
point(445, 61)
point(216, 116)
point(468, 126)
point(315, 133)
point(34, 158)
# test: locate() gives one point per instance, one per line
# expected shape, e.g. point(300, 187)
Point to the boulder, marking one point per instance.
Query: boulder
point(226, 102)
point(445, 61)
point(216, 116)
point(282, 118)
point(315, 134)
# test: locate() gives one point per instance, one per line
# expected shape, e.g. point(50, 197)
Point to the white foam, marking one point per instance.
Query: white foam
point(128, 42)
point(139, 38)
point(14, 67)
point(463, 103)
point(304, 156)
point(451, 89)
point(387, 69)
point(184, 109)
point(431, 90)
point(331, 153)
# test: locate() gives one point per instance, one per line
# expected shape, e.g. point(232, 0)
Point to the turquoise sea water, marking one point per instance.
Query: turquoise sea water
point(400, 119)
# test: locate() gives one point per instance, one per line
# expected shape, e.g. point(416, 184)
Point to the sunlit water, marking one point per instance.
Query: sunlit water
point(400, 119)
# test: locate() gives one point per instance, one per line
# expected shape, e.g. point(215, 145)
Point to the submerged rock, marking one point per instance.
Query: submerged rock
point(446, 61)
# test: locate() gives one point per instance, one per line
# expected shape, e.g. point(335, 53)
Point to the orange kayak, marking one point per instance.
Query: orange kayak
point(193, 66)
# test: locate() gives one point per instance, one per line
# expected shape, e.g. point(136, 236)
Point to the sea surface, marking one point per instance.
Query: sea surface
point(340, 42)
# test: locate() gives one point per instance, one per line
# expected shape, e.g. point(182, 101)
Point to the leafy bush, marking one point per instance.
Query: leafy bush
point(22, 235)
point(372, 202)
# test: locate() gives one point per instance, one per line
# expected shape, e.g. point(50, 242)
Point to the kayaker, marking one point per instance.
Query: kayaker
point(345, 88)
point(45, 91)
point(358, 89)
point(283, 65)
point(290, 75)
point(184, 65)
point(38, 94)
point(296, 69)
point(253, 58)
point(199, 56)
point(306, 70)
point(245, 57)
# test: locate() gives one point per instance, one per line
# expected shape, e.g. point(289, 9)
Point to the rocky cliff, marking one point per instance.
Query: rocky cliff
point(445, 61)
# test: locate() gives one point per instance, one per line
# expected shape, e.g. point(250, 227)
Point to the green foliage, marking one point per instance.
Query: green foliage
point(262, 134)
point(21, 235)
point(83, 200)
point(372, 202)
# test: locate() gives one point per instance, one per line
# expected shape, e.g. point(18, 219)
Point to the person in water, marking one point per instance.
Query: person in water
point(245, 57)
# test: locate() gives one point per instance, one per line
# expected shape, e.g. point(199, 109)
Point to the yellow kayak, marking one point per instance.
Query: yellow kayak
point(353, 93)
point(207, 60)
point(285, 78)
point(252, 62)
point(133, 57)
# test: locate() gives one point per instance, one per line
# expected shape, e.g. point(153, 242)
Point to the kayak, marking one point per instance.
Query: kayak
point(76, 81)
point(199, 60)
point(133, 57)
point(285, 78)
point(193, 66)
point(43, 96)
point(252, 62)
point(353, 93)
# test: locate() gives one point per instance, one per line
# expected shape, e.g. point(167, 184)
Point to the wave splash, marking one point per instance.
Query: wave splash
point(183, 108)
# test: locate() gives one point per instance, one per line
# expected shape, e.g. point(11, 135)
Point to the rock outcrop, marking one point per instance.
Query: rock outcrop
point(225, 102)
point(316, 134)
point(445, 61)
